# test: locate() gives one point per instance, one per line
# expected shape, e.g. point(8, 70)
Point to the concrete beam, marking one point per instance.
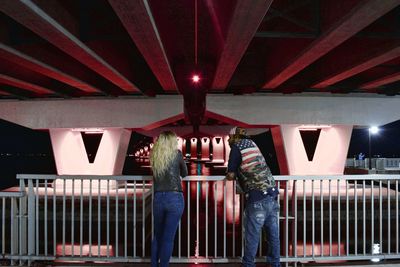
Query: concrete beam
point(32, 64)
point(357, 19)
point(138, 20)
point(306, 109)
point(34, 18)
point(99, 113)
point(246, 18)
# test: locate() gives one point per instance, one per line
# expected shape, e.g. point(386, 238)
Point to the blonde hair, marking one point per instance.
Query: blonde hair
point(164, 151)
point(236, 134)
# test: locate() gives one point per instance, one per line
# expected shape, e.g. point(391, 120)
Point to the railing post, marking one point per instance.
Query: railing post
point(14, 228)
point(22, 221)
point(31, 218)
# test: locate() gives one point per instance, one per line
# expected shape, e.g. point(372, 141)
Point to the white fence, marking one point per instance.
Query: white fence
point(378, 163)
point(109, 219)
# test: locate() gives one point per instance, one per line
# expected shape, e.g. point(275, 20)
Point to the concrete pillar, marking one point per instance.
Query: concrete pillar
point(218, 149)
point(182, 145)
point(205, 148)
point(227, 149)
point(330, 153)
point(193, 148)
point(71, 158)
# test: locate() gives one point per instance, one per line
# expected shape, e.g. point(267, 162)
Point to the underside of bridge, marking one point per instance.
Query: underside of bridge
point(99, 49)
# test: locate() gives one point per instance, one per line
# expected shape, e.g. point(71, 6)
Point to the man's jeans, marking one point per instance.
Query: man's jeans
point(167, 211)
point(263, 213)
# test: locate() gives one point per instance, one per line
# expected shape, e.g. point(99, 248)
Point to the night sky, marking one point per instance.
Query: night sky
point(23, 150)
point(386, 143)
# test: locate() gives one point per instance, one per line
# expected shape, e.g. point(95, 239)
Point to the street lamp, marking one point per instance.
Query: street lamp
point(371, 130)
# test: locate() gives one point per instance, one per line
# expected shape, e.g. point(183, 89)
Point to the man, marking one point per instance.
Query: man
point(248, 166)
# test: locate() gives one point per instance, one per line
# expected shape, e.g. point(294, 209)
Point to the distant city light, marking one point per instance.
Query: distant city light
point(374, 130)
point(196, 78)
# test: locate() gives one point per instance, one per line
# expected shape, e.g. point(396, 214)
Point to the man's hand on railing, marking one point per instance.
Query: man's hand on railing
point(230, 176)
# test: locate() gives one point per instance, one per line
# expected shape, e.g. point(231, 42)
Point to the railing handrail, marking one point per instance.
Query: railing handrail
point(207, 177)
point(9, 194)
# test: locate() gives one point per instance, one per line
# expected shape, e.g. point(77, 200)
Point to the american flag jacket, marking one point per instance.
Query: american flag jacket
point(254, 173)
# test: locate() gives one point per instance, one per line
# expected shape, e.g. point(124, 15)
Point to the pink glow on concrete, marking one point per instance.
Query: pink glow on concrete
point(232, 203)
point(182, 145)
point(193, 148)
point(232, 199)
point(205, 148)
point(330, 153)
point(318, 250)
point(59, 191)
point(219, 191)
point(70, 154)
point(218, 149)
point(85, 250)
point(227, 149)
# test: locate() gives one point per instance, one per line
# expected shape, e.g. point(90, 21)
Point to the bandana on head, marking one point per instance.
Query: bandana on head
point(233, 131)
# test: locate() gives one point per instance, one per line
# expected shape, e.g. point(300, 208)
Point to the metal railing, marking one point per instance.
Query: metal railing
point(376, 163)
point(109, 219)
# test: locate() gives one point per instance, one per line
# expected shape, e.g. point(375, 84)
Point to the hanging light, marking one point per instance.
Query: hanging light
point(195, 78)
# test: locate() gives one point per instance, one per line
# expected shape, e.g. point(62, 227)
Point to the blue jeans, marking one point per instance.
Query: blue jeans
point(258, 214)
point(167, 211)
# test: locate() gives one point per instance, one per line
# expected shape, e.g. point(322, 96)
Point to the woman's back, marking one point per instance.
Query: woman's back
point(170, 178)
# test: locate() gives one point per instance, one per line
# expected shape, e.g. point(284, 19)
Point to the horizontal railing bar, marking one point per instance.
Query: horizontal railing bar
point(211, 178)
point(337, 177)
point(17, 194)
point(199, 260)
point(87, 177)
point(197, 178)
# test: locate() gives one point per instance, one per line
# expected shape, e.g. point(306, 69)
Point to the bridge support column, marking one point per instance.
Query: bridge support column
point(71, 158)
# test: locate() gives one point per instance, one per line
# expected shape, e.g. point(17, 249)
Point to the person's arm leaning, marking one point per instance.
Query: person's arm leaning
point(235, 159)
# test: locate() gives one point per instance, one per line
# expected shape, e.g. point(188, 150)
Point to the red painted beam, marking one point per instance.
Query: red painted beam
point(369, 62)
point(138, 20)
point(231, 121)
point(357, 19)
point(4, 93)
point(32, 64)
point(164, 122)
point(246, 18)
point(34, 18)
point(280, 150)
point(382, 81)
point(4, 79)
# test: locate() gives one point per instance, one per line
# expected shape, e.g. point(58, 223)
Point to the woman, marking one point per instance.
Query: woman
point(168, 166)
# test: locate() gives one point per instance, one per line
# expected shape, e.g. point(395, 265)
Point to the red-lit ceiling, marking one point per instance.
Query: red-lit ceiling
point(100, 48)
